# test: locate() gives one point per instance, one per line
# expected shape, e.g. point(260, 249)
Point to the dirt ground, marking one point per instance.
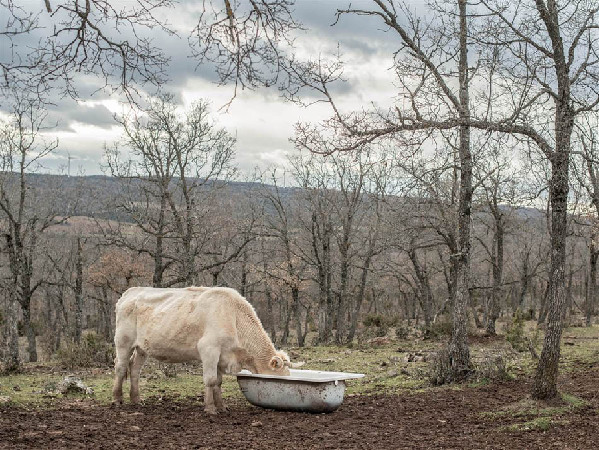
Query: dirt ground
point(440, 418)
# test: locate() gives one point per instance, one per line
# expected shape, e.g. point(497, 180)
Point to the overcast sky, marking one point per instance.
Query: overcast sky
point(261, 120)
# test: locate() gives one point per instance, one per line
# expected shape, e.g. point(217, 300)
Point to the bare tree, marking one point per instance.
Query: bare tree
point(314, 178)
point(91, 36)
point(111, 274)
point(291, 270)
point(176, 163)
point(26, 214)
point(550, 78)
point(587, 175)
point(432, 68)
point(539, 60)
point(500, 198)
point(245, 40)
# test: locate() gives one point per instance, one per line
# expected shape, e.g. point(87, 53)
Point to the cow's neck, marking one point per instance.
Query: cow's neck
point(254, 339)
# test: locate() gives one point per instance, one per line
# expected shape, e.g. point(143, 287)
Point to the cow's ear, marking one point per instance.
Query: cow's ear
point(276, 362)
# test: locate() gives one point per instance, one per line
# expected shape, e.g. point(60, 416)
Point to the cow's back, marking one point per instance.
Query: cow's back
point(167, 323)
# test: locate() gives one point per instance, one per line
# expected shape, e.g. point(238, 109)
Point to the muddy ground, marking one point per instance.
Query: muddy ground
point(439, 418)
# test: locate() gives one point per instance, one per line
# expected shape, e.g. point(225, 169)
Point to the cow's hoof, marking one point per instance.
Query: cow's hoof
point(135, 400)
point(117, 402)
point(211, 410)
point(223, 409)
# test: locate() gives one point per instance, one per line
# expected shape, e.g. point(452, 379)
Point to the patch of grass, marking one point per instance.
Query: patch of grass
point(22, 389)
point(573, 401)
point(386, 367)
point(536, 415)
point(540, 423)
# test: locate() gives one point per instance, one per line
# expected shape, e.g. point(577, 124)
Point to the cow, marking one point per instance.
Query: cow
point(215, 325)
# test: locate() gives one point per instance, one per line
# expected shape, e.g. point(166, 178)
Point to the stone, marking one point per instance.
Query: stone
point(72, 384)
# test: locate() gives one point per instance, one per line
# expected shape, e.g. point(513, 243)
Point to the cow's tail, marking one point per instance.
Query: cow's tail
point(130, 363)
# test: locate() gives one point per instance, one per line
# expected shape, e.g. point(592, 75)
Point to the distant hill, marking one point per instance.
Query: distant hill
point(92, 195)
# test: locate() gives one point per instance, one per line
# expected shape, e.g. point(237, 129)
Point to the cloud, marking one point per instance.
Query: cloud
point(262, 121)
point(66, 115)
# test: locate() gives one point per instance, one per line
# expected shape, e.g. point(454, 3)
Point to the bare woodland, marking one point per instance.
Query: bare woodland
point(474, 196)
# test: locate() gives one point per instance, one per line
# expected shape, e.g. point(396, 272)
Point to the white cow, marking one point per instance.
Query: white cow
point(215, 325)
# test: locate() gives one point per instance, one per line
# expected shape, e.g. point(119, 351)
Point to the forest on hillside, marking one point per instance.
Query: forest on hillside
point(357, 245)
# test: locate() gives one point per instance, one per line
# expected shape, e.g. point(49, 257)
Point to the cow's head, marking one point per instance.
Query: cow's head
point(280, 363)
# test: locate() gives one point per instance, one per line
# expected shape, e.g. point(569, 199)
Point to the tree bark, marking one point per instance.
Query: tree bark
point(296, 312)
point(11, 360)
point(358, 305)
point(340, 335)
point(592, 283)
point(29, 332)
point(425, 293)
point(545, 383)
point(498, 238)
point(78, 292)
point(459, 352)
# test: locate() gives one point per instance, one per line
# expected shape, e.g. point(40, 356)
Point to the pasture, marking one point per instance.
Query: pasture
point(395, 406)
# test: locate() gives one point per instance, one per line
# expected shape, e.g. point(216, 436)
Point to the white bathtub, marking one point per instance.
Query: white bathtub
point(303, 390)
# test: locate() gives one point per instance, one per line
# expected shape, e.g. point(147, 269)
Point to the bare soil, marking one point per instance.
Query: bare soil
point(439, 418)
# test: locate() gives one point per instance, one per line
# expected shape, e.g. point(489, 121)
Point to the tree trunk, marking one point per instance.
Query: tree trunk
point(11, 361)
point(325, 302)
point(361, 293)
point(244, 274)
point(29, 332)
point(297, 316)
point(592, 283)
point(523, 283)
point(493, 314)
point(78, 293)
point(158, 263)
point(157, 277)
point(106, 315)
point(287, 314)
point(459, 352)
point(545, 384)
point(425, 293)
point(569, 295)
point(271, 315)
point(340, 336)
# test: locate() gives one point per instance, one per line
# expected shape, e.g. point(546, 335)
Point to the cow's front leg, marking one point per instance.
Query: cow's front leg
point(210, 359)
point(217, 392)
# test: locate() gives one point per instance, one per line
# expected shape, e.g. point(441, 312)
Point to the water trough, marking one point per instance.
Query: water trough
point(313, 391)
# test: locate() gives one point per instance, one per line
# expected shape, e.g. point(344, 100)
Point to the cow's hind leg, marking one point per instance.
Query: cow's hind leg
point(121, 364)
point(137, 361)
point(210, 356)
point(217, 393)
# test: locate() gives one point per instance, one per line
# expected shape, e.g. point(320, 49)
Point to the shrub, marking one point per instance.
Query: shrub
point(440, 368)
point(373, 320)
point(492, 367)
point(440, 328)
point(402, 331)
point(377, 325)
point(93, 351)
point(515, 332)
point(380, 320)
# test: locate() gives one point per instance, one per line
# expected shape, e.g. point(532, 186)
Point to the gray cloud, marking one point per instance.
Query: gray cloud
point(363, 41)
point(68, 112)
